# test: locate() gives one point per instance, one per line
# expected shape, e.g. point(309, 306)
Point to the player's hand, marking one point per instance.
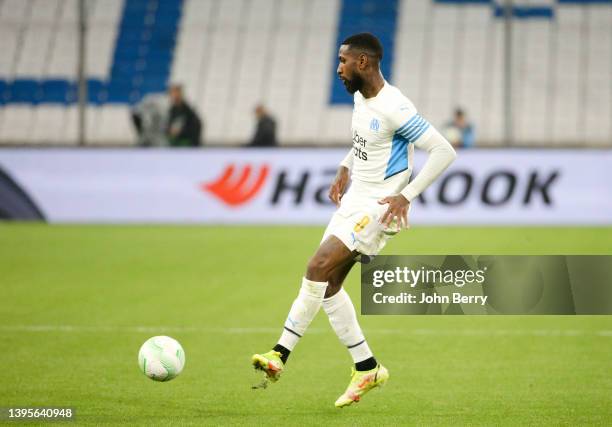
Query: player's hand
point(336, 190)
point(398, 209)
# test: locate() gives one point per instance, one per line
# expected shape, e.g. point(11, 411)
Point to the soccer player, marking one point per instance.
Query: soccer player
point(386, 127)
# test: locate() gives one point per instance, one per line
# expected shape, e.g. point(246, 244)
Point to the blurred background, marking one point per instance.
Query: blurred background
point(504, 81)
point(525, 73)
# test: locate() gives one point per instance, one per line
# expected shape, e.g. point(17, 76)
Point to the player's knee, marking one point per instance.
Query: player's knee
point(319, 268)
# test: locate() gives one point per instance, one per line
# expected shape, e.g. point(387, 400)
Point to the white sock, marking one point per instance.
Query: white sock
point(343, 319)
point(303, 310)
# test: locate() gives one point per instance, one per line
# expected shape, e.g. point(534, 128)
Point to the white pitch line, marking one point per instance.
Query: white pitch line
point(238, 331)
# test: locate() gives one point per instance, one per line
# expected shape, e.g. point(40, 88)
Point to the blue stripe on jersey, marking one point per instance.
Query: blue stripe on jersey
point(417, 134)
point(419, 124)
point(414, 128)
point(414, 122)
point(398, 161)
point(410, 122)
point(408, 131)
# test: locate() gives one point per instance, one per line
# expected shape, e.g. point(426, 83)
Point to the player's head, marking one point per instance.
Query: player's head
point(175, 91)
point(459, 116)
point(260, 111)
point(358, 55)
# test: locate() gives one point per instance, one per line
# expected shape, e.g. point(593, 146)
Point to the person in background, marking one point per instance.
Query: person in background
point(150, 118)
point(265, 133)
point(459, 131)
point(184, 126)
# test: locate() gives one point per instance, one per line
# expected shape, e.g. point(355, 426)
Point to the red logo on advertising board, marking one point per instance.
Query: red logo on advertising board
point(234, 187)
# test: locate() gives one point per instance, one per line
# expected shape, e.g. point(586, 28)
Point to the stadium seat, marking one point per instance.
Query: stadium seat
point(106, 12)
point(71, 126)
point(24, 91)
point(231, 54)
point(9, 34)
point(58, 91)
point(48, 124)
point(197, 13)
point(44, 11)
point(32, 54)
point(69, 13)
point(16, 124)
point(114, 123)
point(3, 92)
point(14, 11)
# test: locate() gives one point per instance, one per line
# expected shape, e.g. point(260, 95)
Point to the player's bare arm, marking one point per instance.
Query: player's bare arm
point(339, 184)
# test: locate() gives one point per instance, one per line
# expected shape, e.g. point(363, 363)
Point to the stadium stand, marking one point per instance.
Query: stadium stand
point(231, 54)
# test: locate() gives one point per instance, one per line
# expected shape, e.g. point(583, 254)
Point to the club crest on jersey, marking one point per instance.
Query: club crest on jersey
point(374, 124)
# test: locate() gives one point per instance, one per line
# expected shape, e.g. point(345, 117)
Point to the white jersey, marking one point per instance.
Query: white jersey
point(384, 130)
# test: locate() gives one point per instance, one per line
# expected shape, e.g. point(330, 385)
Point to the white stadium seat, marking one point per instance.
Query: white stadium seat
point(93, 126)
point(49, 123)
point(105, 12)
point(44, 11)
point(14, 11)
point(69, 13)
point(114, 124)
point(9, 37)
point(17, 124)
point(32, 57)
point(197, 12)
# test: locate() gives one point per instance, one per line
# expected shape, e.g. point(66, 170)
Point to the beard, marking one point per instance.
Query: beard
point(353, 85)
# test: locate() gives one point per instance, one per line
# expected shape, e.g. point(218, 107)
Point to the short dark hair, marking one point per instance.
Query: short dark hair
point(367, 43)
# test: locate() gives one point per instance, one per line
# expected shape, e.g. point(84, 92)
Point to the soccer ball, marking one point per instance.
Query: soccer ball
point(161, 358)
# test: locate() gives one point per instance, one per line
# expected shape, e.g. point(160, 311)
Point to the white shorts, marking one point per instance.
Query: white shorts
point(356, 224)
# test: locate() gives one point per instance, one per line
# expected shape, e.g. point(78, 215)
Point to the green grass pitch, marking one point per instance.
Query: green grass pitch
point(78, 301)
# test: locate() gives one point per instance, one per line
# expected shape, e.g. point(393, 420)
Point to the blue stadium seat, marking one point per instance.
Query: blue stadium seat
point(143, 56)
point(24, 91)
point(97, 92)
point(58, 91)
point(366, 15)
point(3, 94)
